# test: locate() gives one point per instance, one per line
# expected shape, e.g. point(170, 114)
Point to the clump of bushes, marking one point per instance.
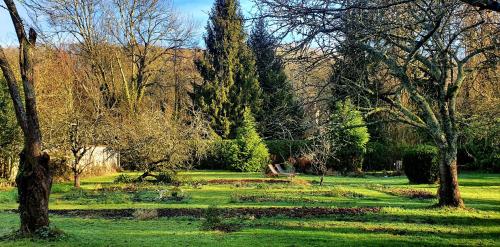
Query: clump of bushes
point(214, 221)
point(335, 192)
point(381, 156)
point(221, 155)
point(247, 153)
point(421, 164)
point(123, 178)
point(167, 177)
point(96, 196)
point(174, 194)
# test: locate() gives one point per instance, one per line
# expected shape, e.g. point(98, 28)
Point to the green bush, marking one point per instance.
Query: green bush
point(222, 154)
point(166, 177)
point(421, 164)
point(381, 156)
point(480, 145)
point(253, 154)
point(349, 131)
point(124, 178)
point(214, 221)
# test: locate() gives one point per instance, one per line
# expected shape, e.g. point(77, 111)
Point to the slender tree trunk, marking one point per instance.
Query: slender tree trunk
point(34, 183)
point(449, 193)
point(76, 183)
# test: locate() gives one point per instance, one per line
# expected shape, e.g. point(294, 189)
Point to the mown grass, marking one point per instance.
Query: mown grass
point(403, 220)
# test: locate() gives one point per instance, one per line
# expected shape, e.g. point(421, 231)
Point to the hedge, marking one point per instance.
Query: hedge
point(382, 156)
point(421, 164)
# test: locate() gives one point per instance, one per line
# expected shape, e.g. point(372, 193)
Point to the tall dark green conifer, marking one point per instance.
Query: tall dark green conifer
point(282, 115)
point(355, 65)
point(228, 69)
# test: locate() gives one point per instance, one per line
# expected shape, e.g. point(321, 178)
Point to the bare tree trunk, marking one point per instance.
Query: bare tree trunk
point(34, 179)
point(449, 193)
point(76, 183)
point(34, 183)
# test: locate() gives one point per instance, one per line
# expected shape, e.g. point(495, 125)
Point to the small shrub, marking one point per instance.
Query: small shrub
point(177, 194)
point(253, 155)
point(238, 198)
point(214, 221)
point(124, 178)
point(97, 196)
point(60, 169)
point(421, 164)
point(167, 177)
point(413, 193)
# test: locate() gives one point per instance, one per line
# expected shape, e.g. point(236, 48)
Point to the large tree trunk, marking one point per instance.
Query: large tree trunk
point(449, 193)
point(34, 182)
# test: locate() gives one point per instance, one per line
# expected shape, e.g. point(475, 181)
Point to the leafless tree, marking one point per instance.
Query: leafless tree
point(81, 27)
point(420, 44)
point(146, 31)
point(34, 180)
point(321, 152)
point(125, 43)
point(154, 142)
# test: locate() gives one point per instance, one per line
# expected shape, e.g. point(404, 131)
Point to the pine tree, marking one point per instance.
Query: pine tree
point(228, 69)
point(355, 65)
point(283, 113)
point(253, 155)
point(348, 128)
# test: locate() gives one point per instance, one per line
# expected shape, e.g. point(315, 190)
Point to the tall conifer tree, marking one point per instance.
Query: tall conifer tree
point(228, 69)
point(283, 113)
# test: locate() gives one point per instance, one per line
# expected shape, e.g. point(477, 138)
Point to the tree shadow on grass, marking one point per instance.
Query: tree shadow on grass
point(380, 231)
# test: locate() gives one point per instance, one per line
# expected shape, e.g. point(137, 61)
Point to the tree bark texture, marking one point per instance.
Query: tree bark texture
point(34, 182)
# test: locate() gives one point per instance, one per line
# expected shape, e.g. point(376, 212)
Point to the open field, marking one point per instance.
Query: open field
point(399, 213)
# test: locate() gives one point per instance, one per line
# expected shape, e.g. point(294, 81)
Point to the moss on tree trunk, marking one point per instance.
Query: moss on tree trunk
point(34, 182)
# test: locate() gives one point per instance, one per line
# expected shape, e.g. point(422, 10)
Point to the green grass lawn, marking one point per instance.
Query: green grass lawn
point(402, 220)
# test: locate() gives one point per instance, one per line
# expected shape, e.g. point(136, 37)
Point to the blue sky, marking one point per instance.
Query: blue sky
point(194, 9)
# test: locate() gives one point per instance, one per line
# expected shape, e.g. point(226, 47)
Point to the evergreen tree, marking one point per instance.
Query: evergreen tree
point(348, 128)
point(228, 69)
point(283, 113)
point(253, 153)
point(355, 65)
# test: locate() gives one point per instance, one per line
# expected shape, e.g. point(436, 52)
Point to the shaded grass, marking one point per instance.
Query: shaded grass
point(402, 220)
point(392, 227)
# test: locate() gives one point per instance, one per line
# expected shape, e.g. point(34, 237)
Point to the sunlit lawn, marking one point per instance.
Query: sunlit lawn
point(402, 220)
